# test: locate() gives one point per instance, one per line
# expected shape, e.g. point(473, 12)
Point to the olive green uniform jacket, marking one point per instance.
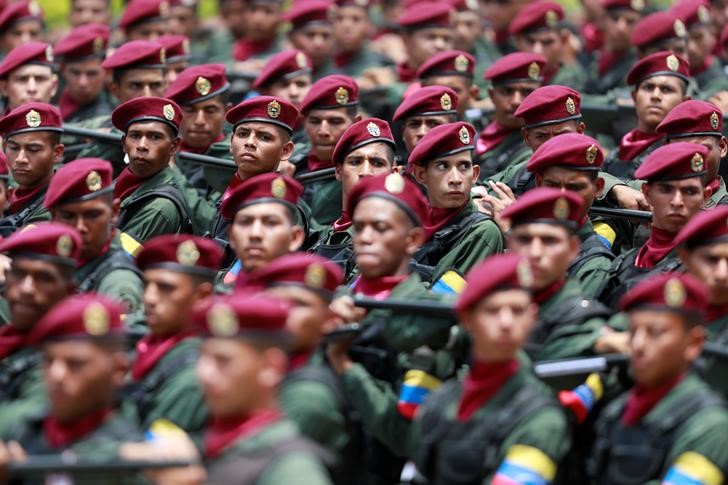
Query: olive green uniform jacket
point(715, 368)
point(22, 393)
point(593, 272)
point(355, 64)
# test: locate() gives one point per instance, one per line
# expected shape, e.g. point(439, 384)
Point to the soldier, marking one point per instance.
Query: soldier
point(32, 136)
point(184, 19)
point(241, 365)
point(701, 41)
point(674, 188)
point(312, 33)
point(701, 122)
point(469, 37)
point(81, 54)
point(500, 16)
point(178, 273)
point(424, 109)
point(513, 77)
point(27, 74)
point(80, 195)
point(177, 55)
point(499, 423)
point(261, 20)
point(660, 83)
point(4, 181)
point(145, 19)
point(660, 31)
point(151, 201)
point(666, 315)
point(89, 12)
point(286, 75)
point(453, 69)
point(20, 23)
point(353, 27)
point(42, 259)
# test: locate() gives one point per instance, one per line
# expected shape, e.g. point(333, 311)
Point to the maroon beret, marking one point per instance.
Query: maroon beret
point(442, 141)
point(305, 12)
point(268, 109)
point(674, 161)
point(310, 271)
point(693, 12)
point(182, 253)
point(176, 48)
point(330, 92)
point(516, 67)
point(79, 180)
point(430, 100)
point(465, 5)
point(497, 273)
point(365, 4)
point(183, 3)
point(677, 292)
point(50, 241)
point(83, 42)
point(28, 53)
point(448, 63)
point(724, 36)
point(140, 11)
point(422, 15)
point(243, 315)
point(538, 15)
point(32, 116)
point(657, 27)
point(636, 5)
point(549, 105)
point(198, 83)
point(266, 187)
point(147, 108)
point(17, 11)
point(663, 63)
point(395, 188)
point(136, 54)
point(570, 150)
point(704, 228)
point(284, 65)
point(692, 118)
point(360, 133)
point(546, 205)
point(4, 171)
point(87, 316)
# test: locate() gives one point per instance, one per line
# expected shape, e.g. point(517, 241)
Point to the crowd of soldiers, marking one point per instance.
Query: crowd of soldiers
point(358, 242)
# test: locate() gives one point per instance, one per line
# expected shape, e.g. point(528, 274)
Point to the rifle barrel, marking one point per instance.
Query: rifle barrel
point(622, 213)
point(316, 176)
point(434, 308)
point(41, 464)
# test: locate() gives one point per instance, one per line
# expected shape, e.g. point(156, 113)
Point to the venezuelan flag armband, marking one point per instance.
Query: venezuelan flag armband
point(525, 465)
point(692, 468)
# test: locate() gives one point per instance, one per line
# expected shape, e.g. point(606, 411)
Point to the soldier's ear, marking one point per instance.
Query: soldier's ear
point(600, 186)
point(337, 171)
point(287, 150)
point(723, 146)
point(696, 337)
point(419, 172)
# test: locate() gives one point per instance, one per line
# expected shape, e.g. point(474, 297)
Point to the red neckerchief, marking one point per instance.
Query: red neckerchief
point(245, 49)
point(492, 136)
point(543, 295)
point(103, 251)
point(67, 105)
point(501, 38)
point(223, 432)
point(549, 74)
point(313, 162)
point(379, 288)
point(200, 151)
point(641, 400)
point(11, 340)
point(607, 59)
point(438, 218)
point(636, 142)
point(483, 381)
point(341, 59)
point(706, 65)
point(715, 312)
point(61, 435)
point(236, 180)
point(593, 36)
point(126, 184)
point(713, 186)
point(657, 247)
point(406, 73)
point(344, 222)
point(298, 360)
point(151, 348)
point(22, 197)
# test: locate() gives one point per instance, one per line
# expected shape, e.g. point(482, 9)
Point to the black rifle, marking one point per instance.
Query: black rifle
point(43, 464)
point(642, 216)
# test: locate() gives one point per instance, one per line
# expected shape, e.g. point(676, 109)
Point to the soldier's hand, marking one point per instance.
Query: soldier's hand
point(286, 168)
point(337, 353)
point(494, 205)
point(612, 341)
point(629, 198)
point(377, 76)
point(9, 452)
point(343, 307)
point(167, 447)
point(720, 99)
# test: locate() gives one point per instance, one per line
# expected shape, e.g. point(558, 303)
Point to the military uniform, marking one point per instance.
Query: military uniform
point(603, 80)
point(498, 162)
point(354, 64)
point(23, 392)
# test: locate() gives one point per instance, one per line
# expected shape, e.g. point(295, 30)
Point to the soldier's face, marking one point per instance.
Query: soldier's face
point(89, 12)
point(324, 127)
point(21, 33)
point(500, 13)
point(202, 122)
point(173, 69)
point(701, 42)
point(136, 83)
point(29, 83)
point(463, 87)
point(149, 145)
point(425, 43)
point(535, 137)
point(576, 181)
point(261, 19)
point(151, 30)
point(709, 264)
point(506, 100)
point(371, 159)
point(384, 238)
point(467, 30)
point(448, 179)
point(169, 297)
point(315, 40)
point(232, 13)
point(93, 219)
point(84, 80)
point(31, 157)
point(654, 98)
point(416, 127)
point(548, 248)
point(661, 346)
point(309, 317)
point(293, 90)
point(549, 43)
point(262, 232)
point(258, 147)
point(182, 20)
point(352, 28)
point(718, 149)
point(619, 26)
point(674, 202)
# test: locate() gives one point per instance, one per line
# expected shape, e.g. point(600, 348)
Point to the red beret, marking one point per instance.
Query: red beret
point(16, 11)
point(242, 315)
point(365, 4)
point(395, 188)
point(363, 132)
point(545, 205)
point(139, 11)
point(497, 273)
point(198, 83)
point(304, 12)
point(88, 316)
point(28, 53)
point(266, 187)
point(136, 54)
point(79, 180)
point(310, 271)
point(32, 116)
point(724, 36)
point(85, 41)
point(549, 105)
point(704, 228)
point(448, 63)
point(693, 12)
point(663, 63)
point(183, 3)
point(330, 92)
point(50, 241)
point(284, 65)
point(657, 27)
point(538, 15)
point(147, 108)
point(268, 109)
point(442, 141)
point(692, 118)
point(636, 5)
point(570, 150)
point(516, 67)
point(677, 292)
point(4, 171)
point(430, 100)
point(426, 14)
point(182, 253)
point(465, 5)
point(176, 48)
point(674, 161)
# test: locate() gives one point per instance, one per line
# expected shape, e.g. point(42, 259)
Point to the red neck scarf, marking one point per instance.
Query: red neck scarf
point(716, 312)
point(103, 251)
point(438, 218)
point(298, 360)
point(657, 247)
point(314, 163)
point(245, 49)
point(126, 184)
point(706, 65)
point(67, 105)
point(607, 59)
point(492, 136)
point(344, 222)
point(341, 59)
point(61, 435)
point(152, 348)
point(406, 73)
point(641, 400)
point(200, 151)
point(223, 432)
point(483, 382)
point(634, 143)
point(22, 197)
point(379, 288)
point(546, 293)
point(11, 340)
point(501, 38)
point(713, 186)
point(236, 180)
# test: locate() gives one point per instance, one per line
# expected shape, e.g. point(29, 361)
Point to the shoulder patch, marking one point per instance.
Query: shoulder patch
point(692, 468)
point(525, 464)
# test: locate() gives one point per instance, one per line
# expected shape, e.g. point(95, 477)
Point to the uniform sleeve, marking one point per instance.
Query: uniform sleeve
point(31, 400)
point(202, 212)
point(158, 217)
point(298, 468)
point(572, 340)
point(591, 275)
point(180, 401)
point(125, 287)
point(41, 214)
point(485, 239)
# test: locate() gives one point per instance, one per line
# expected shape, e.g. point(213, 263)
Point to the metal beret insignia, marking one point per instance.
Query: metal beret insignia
point(315, 275)
point(697, 163)
point(96, 319)
point(341, 95)
point(446, 102)
point(64, 245)
point(168, 112)
point(552, 18)
point(534, 71)
point(570, 106)
point(373, 129)
point(186, 46)
point(524, 274)
point(680, 29)
point(394, 183)
point(93, 181)
point(672, 62)
point(163, 9)
point(674, 293)
point(464, 136)
point(203, 86)
point(187, 253)
point(703, 14)
point(274, 109)
point(278, 188)
point(714, 120)
point(34, 9)
point(301, 59)
point(637, 5)
point(591, 154)
point(561, 209)
point(163, 55)
point(461, 63)
point(98, 45)
point(222, 320)
point(32, 119)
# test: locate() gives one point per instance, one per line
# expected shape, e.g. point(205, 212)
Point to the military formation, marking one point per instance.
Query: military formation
point(357, 242)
